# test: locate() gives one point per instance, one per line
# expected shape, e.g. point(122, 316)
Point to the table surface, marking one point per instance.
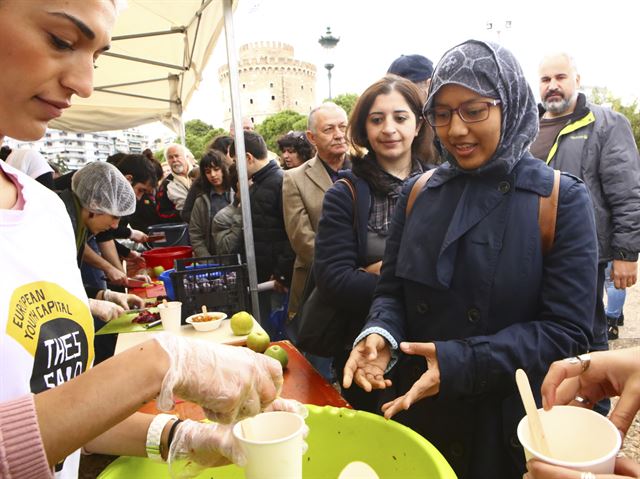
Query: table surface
point(301, 382)
point(222, 335)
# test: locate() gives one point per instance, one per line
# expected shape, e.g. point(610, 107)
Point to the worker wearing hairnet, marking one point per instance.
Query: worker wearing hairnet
point(99, 196)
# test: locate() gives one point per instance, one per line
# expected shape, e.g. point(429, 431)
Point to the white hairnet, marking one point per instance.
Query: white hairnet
point(101, 188)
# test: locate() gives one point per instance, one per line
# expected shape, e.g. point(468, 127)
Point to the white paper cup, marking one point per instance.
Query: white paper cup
point(273, 446)
point(171, 315)
point(578, 439)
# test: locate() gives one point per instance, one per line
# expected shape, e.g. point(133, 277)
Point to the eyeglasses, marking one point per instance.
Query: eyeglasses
point(470, 112)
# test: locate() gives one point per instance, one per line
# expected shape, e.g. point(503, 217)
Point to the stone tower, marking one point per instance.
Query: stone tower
point(271, 80)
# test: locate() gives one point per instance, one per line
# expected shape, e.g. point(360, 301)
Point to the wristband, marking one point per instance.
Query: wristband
point(154, 433)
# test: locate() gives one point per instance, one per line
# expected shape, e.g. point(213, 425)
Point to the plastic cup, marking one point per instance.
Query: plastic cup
point(578, 439)
point(272, 444)
point(171, 315)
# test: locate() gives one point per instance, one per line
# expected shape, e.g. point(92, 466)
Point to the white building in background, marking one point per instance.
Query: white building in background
point(78, 149)
point(271, 80)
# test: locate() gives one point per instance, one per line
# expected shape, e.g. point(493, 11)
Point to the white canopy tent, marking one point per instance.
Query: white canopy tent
point(159, 50)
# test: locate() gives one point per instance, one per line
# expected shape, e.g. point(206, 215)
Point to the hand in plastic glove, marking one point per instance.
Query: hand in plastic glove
point(207, 444)
point(138, 236)
point(136, 259)
point(124, 300)
point(115, 276)
point(212, 445)
point(105, 310)
point(229, 382)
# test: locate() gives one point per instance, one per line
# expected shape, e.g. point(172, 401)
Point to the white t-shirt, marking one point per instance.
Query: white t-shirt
point(47, 328)
point(30, 162)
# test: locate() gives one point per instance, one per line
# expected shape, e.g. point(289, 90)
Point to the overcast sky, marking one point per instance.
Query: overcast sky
point(601, 36)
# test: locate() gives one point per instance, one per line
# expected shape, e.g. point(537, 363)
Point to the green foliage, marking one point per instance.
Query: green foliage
point(198, 135)
point(280, 123)
point(346, 101)
point(602, 96)
point(159, 155)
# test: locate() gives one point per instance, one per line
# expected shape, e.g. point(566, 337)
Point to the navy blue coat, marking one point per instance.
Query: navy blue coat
point(466, 272)
point(340, 249)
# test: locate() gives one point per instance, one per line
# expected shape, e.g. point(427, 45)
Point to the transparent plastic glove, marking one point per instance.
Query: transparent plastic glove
point(200, 445)
point(105, 310)
point(115, 276)
point(290, 405)
point(206, 444)
point(124, 300)
point(229, 382)
point(138, 236)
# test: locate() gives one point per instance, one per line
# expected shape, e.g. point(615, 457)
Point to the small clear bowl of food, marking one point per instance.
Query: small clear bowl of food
point(206, 321)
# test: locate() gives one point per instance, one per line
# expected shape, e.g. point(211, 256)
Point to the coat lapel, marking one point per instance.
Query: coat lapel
point(318, 174)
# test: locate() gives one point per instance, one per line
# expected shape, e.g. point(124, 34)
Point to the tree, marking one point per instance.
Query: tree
point(198, 135)
point(602, 96)
point(346, 101)
point(278, 124)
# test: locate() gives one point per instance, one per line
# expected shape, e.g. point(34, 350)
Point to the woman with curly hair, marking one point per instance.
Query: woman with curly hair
point(295, 149)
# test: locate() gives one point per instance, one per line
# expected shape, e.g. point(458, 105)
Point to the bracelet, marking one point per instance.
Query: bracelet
point(172, 432)
point(154, 433)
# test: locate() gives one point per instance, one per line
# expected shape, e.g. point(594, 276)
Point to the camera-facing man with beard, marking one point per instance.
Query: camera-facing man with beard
point(173, 191)
point(595, 144)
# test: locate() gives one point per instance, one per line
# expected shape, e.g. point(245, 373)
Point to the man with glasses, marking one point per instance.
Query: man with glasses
point(595, 144)
point(303, 190)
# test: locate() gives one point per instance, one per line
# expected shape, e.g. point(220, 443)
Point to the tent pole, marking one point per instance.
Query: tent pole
point(241, 159)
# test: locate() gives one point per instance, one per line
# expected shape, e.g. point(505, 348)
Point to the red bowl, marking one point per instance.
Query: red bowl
point(165, 256)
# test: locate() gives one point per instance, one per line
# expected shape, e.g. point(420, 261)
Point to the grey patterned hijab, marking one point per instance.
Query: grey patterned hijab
point(492, 71)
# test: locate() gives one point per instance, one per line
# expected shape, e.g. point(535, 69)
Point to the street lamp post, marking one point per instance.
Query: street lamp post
point(328, 41)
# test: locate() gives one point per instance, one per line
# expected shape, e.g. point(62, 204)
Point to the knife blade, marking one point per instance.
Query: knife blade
point(152, 324)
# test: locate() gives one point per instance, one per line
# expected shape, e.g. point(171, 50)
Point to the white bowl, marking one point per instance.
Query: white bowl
point(207, 325)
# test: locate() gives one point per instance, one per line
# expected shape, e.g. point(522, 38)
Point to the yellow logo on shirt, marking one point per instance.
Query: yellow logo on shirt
point(56, 328)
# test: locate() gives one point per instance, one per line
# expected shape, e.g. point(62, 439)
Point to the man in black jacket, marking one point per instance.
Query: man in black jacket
point(274, 256)
point(595, 144)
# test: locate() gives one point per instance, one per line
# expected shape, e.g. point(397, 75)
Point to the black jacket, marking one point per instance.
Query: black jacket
point(274, 255)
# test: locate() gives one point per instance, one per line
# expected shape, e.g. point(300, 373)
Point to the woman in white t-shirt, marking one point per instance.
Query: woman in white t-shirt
point(51, 404)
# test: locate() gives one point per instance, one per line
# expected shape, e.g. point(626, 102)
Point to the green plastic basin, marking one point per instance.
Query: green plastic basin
point(337, 437)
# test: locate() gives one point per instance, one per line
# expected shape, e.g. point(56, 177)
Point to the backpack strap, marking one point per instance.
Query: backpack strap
point(416, 189)
point(547, 214)
point(353, 198)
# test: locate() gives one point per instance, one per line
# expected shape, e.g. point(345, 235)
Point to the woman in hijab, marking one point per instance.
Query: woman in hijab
point(466, 292)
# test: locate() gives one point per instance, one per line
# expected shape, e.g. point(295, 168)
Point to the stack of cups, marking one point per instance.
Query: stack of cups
point(171, 316)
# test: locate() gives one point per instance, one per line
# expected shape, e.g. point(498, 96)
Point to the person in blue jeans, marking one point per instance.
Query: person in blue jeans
point(615, 304)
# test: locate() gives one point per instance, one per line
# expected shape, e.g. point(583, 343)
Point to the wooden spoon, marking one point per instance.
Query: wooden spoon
point(535, 425)
point(247, 429)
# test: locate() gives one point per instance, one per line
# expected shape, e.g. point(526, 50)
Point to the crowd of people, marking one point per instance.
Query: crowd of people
point(417, 216)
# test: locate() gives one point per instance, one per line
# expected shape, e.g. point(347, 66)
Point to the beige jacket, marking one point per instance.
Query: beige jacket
point(303, 190)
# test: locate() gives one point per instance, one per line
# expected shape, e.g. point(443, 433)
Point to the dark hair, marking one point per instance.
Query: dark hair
point(115, 158)
point(139, 167)
point(212, 159)
point(253, 143)
point(299, 142)
point(233, 177)
point(366, 166)
point(221, 143)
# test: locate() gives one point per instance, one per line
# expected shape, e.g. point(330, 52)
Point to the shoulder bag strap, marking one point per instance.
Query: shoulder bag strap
point(416, 189)
point(353, 198)
point(548, 213)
